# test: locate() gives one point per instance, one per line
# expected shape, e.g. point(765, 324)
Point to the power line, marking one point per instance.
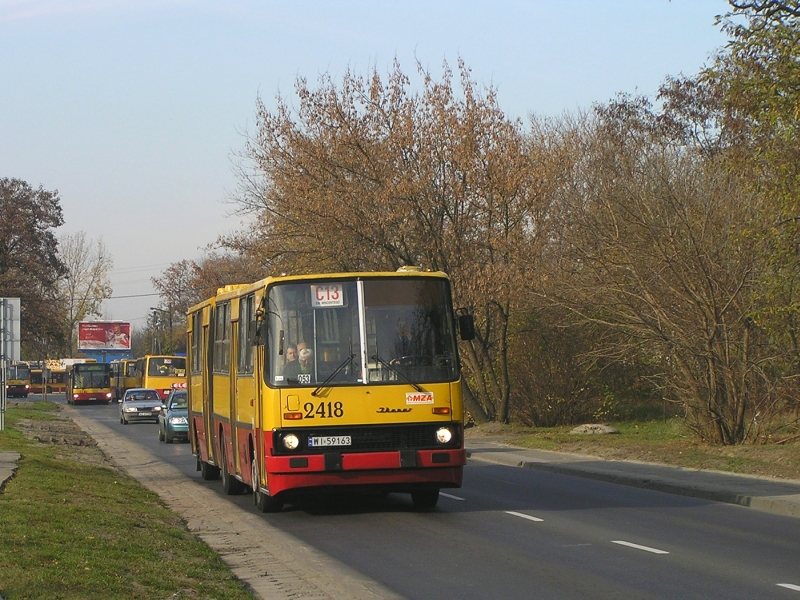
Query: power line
point(132, 296)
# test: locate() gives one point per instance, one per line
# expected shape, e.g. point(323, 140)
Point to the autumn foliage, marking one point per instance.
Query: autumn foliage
point(632, 252)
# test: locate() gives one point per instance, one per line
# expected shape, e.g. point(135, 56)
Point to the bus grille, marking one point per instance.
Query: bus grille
point(371, 438)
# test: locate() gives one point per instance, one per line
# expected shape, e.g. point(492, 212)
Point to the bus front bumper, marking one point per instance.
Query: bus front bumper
point(399, 471)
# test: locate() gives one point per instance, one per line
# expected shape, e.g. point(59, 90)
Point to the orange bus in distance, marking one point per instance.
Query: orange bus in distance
point(89, 382)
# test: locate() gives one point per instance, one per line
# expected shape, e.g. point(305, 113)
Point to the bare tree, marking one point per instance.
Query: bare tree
point(656, 248)
point(86, 283)
point(369, 176)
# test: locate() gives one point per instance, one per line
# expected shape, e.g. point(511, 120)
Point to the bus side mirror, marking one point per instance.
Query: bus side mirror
point(466, 327)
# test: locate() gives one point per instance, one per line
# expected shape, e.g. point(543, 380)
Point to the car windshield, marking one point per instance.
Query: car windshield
point(179, 401)
point(148, 395)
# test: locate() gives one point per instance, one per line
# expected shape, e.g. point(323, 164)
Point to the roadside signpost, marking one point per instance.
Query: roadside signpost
point(9, 346)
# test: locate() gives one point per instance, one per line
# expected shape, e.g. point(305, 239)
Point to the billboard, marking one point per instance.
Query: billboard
point(104, 335)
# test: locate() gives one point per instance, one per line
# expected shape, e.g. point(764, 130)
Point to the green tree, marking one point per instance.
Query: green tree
point(30, 266)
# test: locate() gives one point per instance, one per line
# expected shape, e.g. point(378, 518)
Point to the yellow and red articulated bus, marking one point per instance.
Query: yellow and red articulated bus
point(55, 380)
point(123, 377)
point(162, 373)
point(328, 382)
point(89, 382)
point(18, 379)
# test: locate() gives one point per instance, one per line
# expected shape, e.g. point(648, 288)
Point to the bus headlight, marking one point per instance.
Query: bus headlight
point(443, 435)
point(291, 441)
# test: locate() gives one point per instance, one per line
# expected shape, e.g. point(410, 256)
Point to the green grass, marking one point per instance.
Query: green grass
point(72, 530)
point(661, 441)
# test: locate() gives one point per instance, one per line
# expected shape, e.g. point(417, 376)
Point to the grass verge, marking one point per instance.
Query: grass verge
point(69, 529)
point(659, 441)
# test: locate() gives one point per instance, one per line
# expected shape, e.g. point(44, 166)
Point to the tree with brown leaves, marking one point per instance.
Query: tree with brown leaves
point(367, 175)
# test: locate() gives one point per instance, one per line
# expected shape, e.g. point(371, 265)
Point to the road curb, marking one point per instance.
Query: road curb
point(775, 496)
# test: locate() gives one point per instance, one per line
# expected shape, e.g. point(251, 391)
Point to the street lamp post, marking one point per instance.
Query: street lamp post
point(156, 321)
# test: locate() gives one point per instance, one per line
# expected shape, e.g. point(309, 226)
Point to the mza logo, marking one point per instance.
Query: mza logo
point(419, 397)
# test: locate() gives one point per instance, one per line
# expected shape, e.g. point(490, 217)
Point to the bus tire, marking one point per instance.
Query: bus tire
point(208, 472)
point(230, 485)
point(425, 499)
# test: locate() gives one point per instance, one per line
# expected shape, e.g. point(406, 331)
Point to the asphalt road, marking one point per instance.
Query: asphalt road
point(521, 533)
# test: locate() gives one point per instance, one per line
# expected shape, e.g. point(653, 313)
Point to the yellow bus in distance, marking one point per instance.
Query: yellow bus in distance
point(123, 377)
point(88, 381)
point(162, 373)
point(18, 379)
point(54, 383)
point(330, 381)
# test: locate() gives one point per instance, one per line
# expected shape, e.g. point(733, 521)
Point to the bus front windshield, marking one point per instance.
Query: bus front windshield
point(17, 372)
point(370, 331)
point(91, 376)
point(166, 366)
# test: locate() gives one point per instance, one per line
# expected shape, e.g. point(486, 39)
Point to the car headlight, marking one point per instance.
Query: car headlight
point(443, 435)
point(178, 421)
point(129, 409)
point(291, 441)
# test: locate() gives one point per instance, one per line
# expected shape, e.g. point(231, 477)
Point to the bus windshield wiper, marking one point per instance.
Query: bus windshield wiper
point(397, 372)
point(348, 360)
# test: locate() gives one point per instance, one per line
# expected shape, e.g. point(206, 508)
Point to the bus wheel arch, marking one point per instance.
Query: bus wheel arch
point(230, 484)
point(208, 471)
point(264, 502)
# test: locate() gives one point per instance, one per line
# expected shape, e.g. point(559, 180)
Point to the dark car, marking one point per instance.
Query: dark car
point(173, 420)
point(140, 404)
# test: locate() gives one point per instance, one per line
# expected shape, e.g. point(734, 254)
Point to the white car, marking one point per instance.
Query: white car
point(140, 404)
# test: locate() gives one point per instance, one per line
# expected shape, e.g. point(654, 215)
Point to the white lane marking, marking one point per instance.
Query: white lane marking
point(789, 586)
point(450, 496)
point(638, 547)
point(530, 518)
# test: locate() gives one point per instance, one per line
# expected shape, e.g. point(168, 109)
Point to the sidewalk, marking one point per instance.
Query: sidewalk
point(777, 496)
point(8, 464)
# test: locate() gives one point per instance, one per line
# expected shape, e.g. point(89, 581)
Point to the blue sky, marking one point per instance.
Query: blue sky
point(132, 109)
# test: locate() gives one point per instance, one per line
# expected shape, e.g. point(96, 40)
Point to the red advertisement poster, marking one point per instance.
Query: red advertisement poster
point(93, 335)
